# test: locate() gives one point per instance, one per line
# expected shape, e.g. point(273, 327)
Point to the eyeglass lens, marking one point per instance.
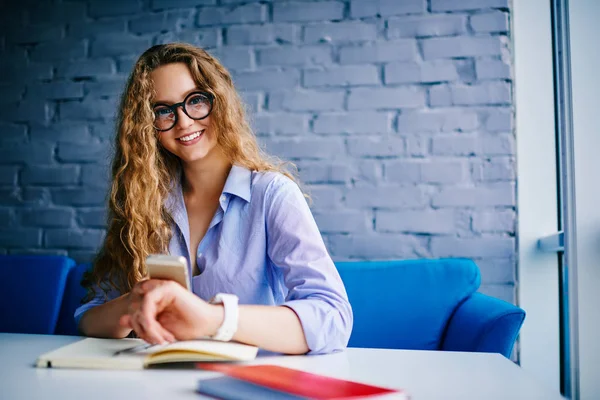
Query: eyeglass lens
point(196, 106)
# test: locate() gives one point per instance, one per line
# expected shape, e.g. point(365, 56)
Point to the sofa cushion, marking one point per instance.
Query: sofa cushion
point(31, 290)
point(405, 304)
point(74, 292)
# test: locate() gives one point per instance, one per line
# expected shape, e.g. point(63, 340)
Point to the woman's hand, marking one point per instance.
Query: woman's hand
point(162, 311)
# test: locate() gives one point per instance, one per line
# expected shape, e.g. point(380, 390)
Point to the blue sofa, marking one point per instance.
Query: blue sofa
point(411, 304)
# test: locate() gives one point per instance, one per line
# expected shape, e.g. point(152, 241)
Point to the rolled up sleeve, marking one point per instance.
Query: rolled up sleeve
point(99, 299)
point(316, 292)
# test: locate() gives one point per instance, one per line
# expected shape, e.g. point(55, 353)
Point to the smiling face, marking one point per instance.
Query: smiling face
point(191, 140)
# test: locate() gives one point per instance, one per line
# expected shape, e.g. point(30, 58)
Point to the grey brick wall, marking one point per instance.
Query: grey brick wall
point(397, 112)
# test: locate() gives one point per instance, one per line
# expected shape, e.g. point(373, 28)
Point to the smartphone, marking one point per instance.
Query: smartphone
point(174, 268)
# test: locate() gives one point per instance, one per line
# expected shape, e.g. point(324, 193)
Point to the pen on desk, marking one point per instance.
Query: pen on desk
point(134, 349)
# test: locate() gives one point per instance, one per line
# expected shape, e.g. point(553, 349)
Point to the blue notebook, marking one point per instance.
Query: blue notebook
point(228, 388)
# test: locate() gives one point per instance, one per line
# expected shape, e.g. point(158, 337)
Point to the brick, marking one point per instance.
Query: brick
point(373, 146)
point(386, 8)
point(426, 72)
point(461, 46)
point(243, 14)
point(20, 237)
point(498, 119)
point(8, 175)
point(50, 175)
point(498, 194)
point(12, 133)
point(324, 197)
point(252, 101)
point(487, 93)
point(96, 175)
point(262, 34)
point(497, 270)
point(377, 246)
point(495, 221)
point(267, 79)
point(443, 172)
point(92, 218)
point(10, 196)
point(82, 256)
point(58, 51)
point(347, 31)
point(111, 87)
point(402, 171)
point(494, 22)
point(47, 217)
point(204, 38)
point(386, 98)
point(83, 196)
point(431, 222)
point(501, 144)
point(234, 58)
point(100, 8)
point(369, 172)
point(502, 292)
point(162, 22)
point(58, 90)
point(343, 222)
point(74, 132)
point(455, 145)
point(96, 29)
point(397, 50)
point(363, 122)
point(35, 34)
point(385, 197)
point(30, 153)
point(86, 68)
point(492, 69)
point(71, 238)
point(307, 101)
point(111, 45)
point(166, 4)
point(306, 55)
point(32, 111)
point(347, 75)
point(426, 26)
point(304, 11)
point(281, 124)
point(88, 110)
point(494, 170)
point(88, 152)
point(324, 172)
point(438, 120)
point(11, 93)
point(60, 13)
point(473, 247)
point(7, 217)
point(466, 5)
point(417, 146)
point(309, 148)
point(26, 74)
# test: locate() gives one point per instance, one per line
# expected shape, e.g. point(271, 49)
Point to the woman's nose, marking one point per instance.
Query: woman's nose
point(183, 121)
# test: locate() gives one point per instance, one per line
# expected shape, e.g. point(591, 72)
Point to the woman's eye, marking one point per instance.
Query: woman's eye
point(163, 112)
point(197, 100)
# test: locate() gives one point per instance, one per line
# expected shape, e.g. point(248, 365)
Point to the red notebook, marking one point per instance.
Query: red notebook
point(297, 382)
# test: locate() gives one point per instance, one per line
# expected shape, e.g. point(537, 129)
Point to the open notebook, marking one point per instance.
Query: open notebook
point(94, 353)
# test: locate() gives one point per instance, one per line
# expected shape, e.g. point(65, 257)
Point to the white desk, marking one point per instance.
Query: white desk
point(424, 375)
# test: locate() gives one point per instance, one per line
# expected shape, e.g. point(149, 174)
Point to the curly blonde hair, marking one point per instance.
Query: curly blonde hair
point(143, 172)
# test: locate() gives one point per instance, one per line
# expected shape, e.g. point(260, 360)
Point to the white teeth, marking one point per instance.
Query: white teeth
point(190, 137)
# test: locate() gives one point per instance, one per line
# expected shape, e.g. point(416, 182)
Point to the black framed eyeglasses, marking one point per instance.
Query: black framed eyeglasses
point(197, 105)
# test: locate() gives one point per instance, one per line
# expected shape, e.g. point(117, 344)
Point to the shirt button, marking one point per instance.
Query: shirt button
point(223, 198)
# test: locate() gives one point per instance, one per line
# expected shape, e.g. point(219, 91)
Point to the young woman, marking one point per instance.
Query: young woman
point(188, 178)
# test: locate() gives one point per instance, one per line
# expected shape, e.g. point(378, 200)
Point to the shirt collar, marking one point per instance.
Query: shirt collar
point(239, 182)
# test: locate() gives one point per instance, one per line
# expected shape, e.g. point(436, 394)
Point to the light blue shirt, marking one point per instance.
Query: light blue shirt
point(264, 246)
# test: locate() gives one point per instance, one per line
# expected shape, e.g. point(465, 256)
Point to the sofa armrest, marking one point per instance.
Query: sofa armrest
point(485, 324)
